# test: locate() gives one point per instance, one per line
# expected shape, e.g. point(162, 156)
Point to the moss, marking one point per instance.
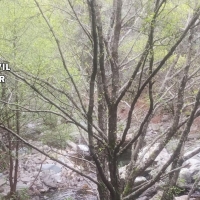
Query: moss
point(127, 189)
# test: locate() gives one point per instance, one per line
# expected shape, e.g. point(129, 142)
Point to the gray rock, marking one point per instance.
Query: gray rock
point(194, 169)
point(50, 179)
point(33, 128)
point(83, 151)
point(184, 197)
point(143, 198)
point(155, 127)
point(139, 180)
point(122, 172)
point(83, 147)
point(2, 182)
point(26, 179)
point(161, 158)
point(185, 177)
point(53, 167)
point(192, 162)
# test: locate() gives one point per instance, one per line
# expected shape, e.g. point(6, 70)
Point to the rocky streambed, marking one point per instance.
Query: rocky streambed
point(44, 179)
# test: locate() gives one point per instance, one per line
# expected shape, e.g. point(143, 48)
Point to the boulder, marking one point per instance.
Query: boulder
point(184, 197)
point(191, 162)
point(161, 158)
point(122, 174)
point(83, 148)
point(53, 167)
point(185, 177)
point(83, 151)
point(139, 180)
point(50, 179)
point(194, 168)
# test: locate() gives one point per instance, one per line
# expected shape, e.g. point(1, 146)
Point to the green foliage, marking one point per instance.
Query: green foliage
point(174, 191)
point(69, 198)
point(19, 195)
point(4, 162)
point(23, 194)
point(57, 136)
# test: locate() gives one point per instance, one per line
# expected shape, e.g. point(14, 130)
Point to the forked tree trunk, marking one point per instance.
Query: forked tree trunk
point(104, 193)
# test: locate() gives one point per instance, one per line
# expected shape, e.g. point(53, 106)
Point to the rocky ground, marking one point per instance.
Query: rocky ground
point(40, 175)
point(46, 179)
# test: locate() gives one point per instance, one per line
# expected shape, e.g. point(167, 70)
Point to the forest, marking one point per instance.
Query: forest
point(100, 100)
